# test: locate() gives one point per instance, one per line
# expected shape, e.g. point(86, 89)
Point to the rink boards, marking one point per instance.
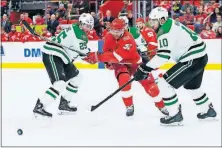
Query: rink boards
point(28, 55)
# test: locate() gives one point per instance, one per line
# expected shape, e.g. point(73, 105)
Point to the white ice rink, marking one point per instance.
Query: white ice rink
point(108, 125)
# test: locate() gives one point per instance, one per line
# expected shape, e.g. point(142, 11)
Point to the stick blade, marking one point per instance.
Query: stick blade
point(93, 108)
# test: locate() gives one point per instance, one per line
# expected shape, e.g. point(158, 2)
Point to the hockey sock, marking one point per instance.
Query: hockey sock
point(200, 98)
point(70, 91)
point(53, 93)
point(126, 92)
point(170, 98)
point(49, 96)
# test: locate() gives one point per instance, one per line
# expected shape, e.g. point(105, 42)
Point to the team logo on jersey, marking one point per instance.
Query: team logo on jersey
point(127, 46)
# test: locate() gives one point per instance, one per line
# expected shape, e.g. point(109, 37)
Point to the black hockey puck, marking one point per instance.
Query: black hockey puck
point(20, 132)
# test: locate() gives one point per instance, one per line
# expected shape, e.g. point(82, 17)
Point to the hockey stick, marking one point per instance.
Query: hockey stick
point(111, 95)
point(45, 39)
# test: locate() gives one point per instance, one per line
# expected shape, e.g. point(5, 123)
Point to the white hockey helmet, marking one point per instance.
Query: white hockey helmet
point(157, 14)
point(86, 21)
point(126, 20)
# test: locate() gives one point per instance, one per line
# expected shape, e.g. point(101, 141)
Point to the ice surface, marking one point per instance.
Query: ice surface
point(106, 126)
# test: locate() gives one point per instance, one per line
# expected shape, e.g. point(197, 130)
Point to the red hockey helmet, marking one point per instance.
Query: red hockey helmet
point(117, 28)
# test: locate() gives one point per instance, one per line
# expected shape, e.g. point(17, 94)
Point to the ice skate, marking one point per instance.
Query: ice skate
point(173, 120)
point(130, 110)
point(39, 110)
point(65, 108)
point(210, 114)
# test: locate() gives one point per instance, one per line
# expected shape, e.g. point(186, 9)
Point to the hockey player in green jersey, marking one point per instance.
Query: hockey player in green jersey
point(64, 76)
point(188, 50)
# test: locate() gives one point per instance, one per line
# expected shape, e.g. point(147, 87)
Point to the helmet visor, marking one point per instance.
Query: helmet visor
point(116, 32)
point(87, 27)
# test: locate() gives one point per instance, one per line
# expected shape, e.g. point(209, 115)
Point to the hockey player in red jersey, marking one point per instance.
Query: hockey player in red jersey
point(119, 48)
point(149, 35)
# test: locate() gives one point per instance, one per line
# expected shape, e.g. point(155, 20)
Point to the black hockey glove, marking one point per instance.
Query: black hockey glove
point(142, 72)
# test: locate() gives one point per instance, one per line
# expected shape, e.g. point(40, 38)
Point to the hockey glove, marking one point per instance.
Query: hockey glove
point(142, 72)
point(92, 58)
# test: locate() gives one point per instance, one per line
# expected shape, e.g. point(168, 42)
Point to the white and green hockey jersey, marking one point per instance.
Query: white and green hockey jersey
point(177, 42)
point(72, 37)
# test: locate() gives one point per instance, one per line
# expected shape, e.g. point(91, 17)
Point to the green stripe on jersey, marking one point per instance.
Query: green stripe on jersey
point(193, 51)
point(163, 56)
point(58, 51)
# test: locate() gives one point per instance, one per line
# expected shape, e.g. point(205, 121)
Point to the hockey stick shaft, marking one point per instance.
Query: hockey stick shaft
point(46, 39)
point(111, 95)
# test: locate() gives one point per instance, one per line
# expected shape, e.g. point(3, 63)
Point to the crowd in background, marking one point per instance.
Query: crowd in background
point(202, 16)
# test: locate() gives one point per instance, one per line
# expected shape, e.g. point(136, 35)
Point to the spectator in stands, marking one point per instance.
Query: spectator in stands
point(61, 11)
point(52, 24)
point(28, 19)
point(201, 15)
point(189, 17)
point(109, 17)
point(47, 18)
point(81, 6)
point(58, 17)
point(130, 18)
point(213, 17)
point(198, 26)
point(69, 12)
point(176, 8)
point(124, 9)
point(207, 33)
point(58, 30)
point(5, 23)
point(4, 35)
point(105, 31)
point(46, 33)
point(39, 20)
point(49, 10)
point(217, 24)
point(219, 32)
point(185, 6)
point(97, 25)
point(14, 35)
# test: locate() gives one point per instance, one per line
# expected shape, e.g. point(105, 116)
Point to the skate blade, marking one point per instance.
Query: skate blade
point(173, 124)
point(209, 119)
point(38, 116)
point(66, 113)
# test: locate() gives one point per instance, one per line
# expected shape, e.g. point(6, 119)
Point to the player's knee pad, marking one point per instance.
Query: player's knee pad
point(152, 89)
point(59, 86)
point(76, 81)
point(123, 78)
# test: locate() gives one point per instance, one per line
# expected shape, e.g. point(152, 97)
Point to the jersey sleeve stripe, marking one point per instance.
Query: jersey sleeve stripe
point(195, 46)
point(163, 56)
point(153, 43)
point(59, 51)
point(52, 44)
point(118, 57)
point(164, 51)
